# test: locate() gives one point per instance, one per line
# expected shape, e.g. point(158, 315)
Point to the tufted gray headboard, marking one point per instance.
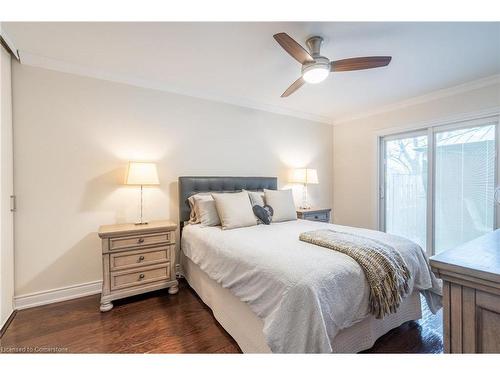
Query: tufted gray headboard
point(189, 185)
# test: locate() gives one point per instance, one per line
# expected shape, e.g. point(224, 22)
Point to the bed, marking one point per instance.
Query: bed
point(274, 293)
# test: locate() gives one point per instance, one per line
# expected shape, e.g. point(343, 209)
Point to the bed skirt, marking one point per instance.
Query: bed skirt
point(230, 312)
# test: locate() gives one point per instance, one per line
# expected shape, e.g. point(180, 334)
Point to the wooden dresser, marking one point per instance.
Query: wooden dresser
point(314, 214)
point(471, 295)
point(137, 259)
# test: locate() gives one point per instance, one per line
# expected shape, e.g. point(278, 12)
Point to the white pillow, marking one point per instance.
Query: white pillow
point(207, 212)
point(199, 209)
point(234, 210)
point(282, 203)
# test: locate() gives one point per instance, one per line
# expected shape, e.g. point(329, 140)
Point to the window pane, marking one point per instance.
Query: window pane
point(465, 177)
point(406, 188)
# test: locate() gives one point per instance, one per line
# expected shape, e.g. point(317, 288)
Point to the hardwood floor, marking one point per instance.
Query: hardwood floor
point(162, 323)
point(422, 336)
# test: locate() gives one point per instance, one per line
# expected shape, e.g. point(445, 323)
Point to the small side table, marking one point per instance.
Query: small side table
point(315, 214)
point(137, 259)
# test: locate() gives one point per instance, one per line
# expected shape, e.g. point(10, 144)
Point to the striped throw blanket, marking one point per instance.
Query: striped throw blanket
point(385, 269)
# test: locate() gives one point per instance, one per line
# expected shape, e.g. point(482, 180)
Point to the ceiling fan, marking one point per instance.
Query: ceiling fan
point(315, 68)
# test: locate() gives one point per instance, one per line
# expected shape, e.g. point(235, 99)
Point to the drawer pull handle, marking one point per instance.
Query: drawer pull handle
point(141, 276)
point(316, 216)
point(141, 258)
point(140, 240)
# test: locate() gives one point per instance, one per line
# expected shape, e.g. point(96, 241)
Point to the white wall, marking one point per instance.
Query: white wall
point(6, 189)
point(355, 149)
point(74, 136)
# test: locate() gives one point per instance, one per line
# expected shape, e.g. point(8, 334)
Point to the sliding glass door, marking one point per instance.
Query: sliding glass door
point(406, 187)
point(437, 185)
point(464, 185)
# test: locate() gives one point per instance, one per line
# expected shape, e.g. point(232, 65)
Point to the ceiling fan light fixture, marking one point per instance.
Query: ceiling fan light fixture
point(316, 68)
point(315, 73)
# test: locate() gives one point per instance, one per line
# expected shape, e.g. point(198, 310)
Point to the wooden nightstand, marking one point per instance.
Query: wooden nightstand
point(137, 259)
point(315, 214)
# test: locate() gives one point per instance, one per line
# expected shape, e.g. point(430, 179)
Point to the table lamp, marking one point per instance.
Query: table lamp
point(305, 176)
point(143, 174)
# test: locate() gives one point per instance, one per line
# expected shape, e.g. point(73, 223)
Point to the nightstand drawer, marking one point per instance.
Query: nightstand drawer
point(320, 216)
point(119, 243)
point(138, 258)
point(137, 277)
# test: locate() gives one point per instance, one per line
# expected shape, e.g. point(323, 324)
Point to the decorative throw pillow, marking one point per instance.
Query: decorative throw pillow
point(256, 197)
point(263, 213)
point(207, 212)
point(234, 210)
point(193, 200)
point(282, 203)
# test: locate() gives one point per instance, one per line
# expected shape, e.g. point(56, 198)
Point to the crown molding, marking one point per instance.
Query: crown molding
point(27, 58)
point(434, 95)
point(38, 61)
point(7, 43)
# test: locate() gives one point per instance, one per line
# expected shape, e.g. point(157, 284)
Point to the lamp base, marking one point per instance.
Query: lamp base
point(305, 203)
point(142, 222)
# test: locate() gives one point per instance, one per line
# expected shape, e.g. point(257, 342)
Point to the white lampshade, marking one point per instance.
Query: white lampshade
point(140, 173)
point(305, 176)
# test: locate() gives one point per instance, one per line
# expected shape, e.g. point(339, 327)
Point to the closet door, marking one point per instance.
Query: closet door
point(6, 190)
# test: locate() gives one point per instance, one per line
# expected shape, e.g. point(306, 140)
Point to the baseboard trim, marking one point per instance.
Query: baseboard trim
point(25, 301)
point(6, 325)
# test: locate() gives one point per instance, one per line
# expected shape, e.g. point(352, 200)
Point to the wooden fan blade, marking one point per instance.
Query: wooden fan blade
point(359, 63)
point(293, 87)
point(293, 48)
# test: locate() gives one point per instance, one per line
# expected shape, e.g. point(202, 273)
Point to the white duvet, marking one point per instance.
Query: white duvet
point(304, 293)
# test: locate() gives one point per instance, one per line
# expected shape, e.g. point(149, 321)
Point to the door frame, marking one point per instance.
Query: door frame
point(431, 128)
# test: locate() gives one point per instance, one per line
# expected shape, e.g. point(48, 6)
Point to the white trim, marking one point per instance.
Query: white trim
point(380, 178)
point(430, 210)
point(46, 297)
point(496, 222)
point(9, 41)
point(443, 93)
point(2, 324)
point(489, 112)
point(30, 59)
point(408, 134)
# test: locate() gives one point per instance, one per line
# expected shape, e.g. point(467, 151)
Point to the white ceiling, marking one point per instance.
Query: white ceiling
point(242, 63)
